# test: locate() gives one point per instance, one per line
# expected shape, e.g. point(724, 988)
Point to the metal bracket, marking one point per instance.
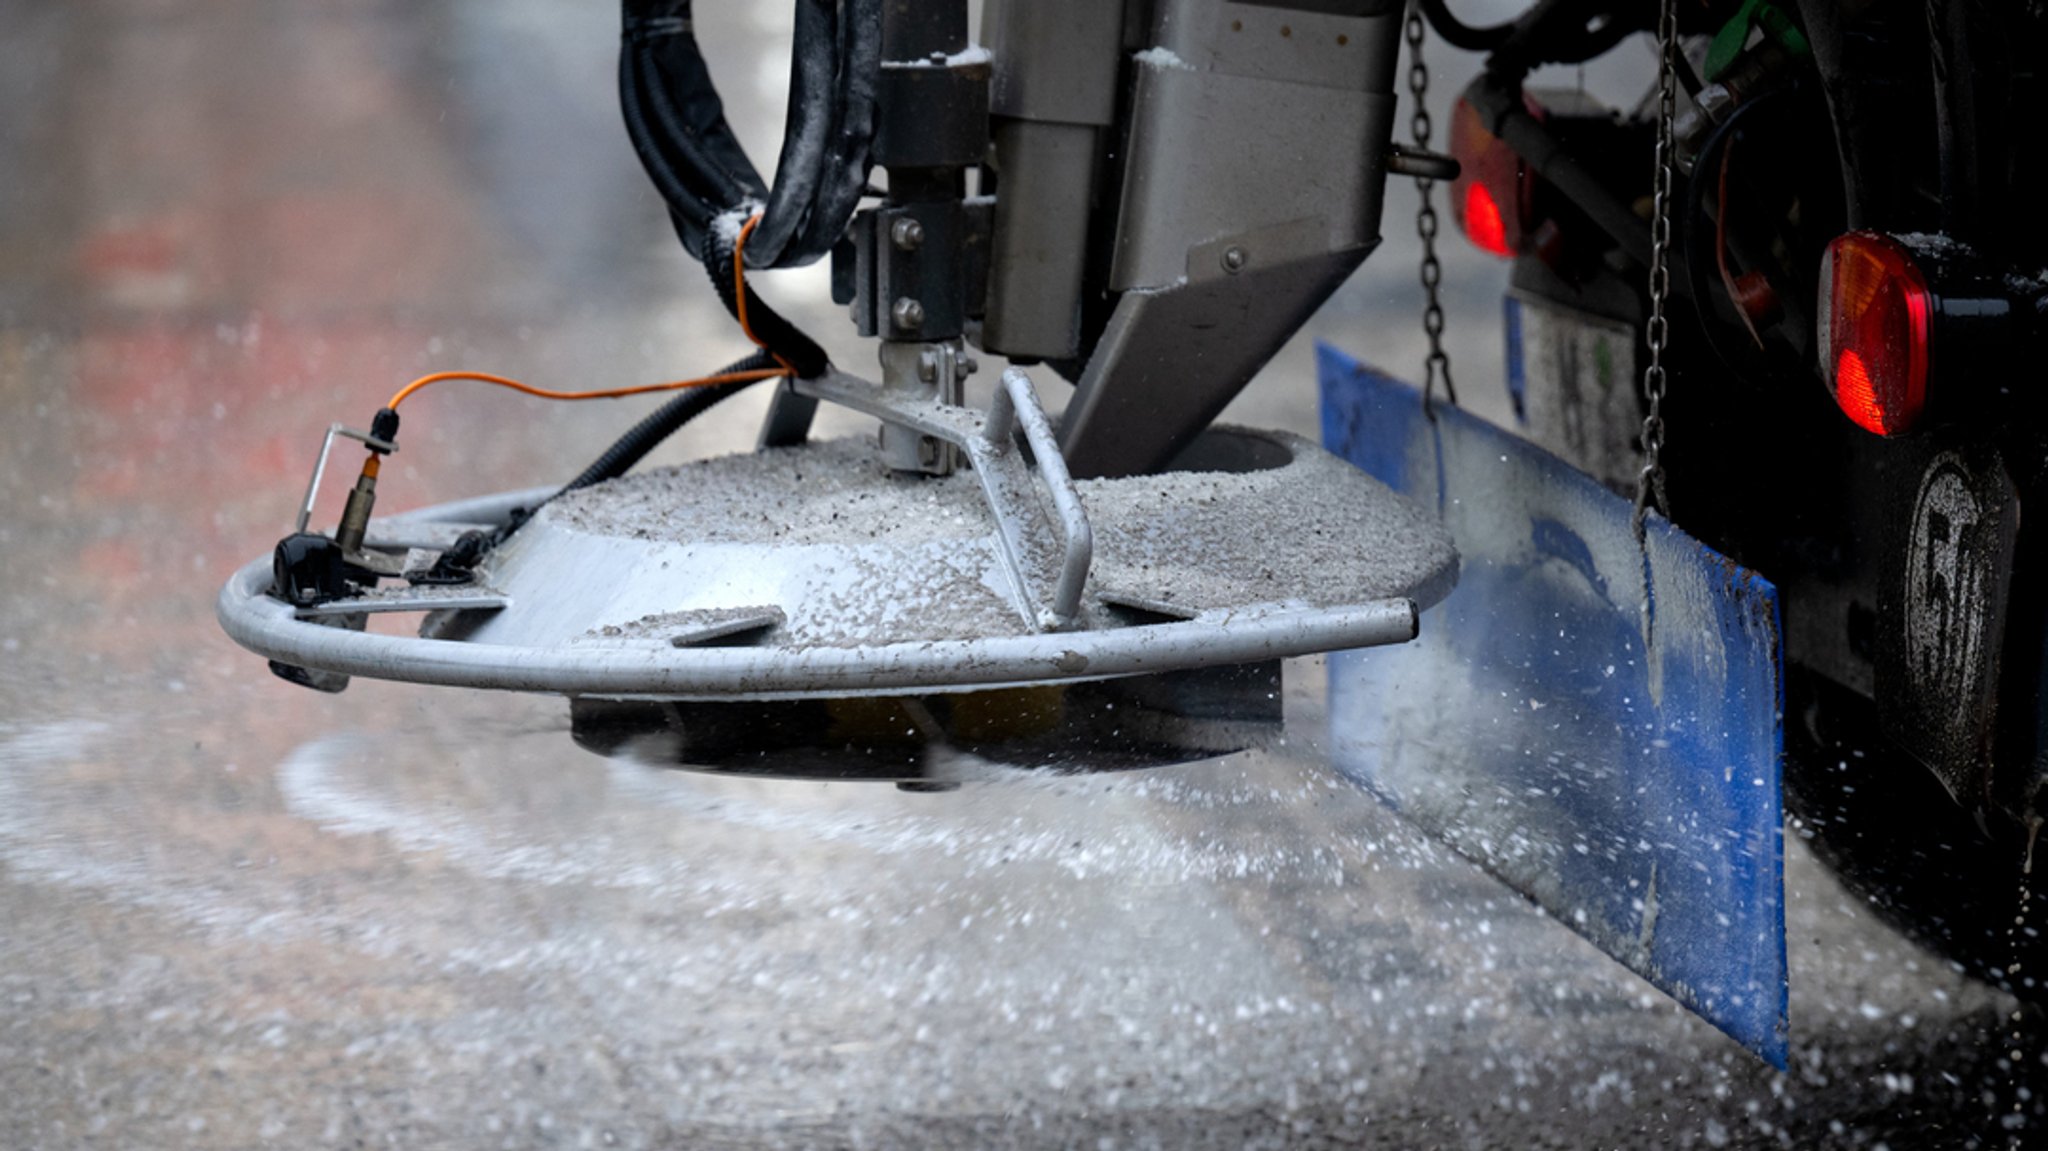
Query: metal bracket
point(1038, 549)
point(320, 465)
point(1420, 163)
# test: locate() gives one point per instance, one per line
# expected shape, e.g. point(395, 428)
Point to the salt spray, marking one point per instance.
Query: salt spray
point(2016, 940)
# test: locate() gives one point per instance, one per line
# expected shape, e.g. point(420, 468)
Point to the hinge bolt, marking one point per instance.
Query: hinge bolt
point(908, 314)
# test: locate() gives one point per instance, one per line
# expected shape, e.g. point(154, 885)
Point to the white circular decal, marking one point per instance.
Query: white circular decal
point(1945, 588)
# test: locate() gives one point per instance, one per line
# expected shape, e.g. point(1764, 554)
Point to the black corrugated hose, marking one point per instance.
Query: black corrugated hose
point(777, 335)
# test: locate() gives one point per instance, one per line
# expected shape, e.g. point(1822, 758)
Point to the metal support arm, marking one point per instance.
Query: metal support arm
point(1037, 552)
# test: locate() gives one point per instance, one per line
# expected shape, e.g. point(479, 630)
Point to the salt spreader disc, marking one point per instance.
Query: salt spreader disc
point(811, 572)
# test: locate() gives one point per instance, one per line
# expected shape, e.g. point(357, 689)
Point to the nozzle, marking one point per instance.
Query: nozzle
point(355, 514)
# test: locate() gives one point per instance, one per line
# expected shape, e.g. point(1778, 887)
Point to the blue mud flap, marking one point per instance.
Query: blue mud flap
point(1596, 723)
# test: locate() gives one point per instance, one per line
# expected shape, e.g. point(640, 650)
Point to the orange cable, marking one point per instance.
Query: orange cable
point(739, 279)
point(739, 290)
point(600, 394)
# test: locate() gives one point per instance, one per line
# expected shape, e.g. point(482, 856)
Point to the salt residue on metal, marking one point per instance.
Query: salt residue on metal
point(855, 556)
point(1316, 529)
point(852, 553)
point(423, 594)
point(829, 492)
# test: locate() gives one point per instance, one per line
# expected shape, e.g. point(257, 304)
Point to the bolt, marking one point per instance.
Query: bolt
point(908, 314)
point(1234, 260)
point(964, 364)
point(928, 366)
point(906, 234)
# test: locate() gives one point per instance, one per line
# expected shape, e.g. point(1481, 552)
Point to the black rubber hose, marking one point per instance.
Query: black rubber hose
point(679, 63)
point(1864, 121)
point(807, 132)
point(677, 96)
point(678, 124)
point(849, 160)
point(663, 422)
point(1461, 35)
point(687, 203)
point(675, 103)
point(783, 338)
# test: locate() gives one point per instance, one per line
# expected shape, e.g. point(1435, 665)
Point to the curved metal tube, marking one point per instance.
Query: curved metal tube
point(1017, 403)
point(270, 627)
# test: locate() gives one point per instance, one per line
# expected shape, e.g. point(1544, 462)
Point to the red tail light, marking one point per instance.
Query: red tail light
point(1875, 318)
point(1490, 197)
point(1482, 220)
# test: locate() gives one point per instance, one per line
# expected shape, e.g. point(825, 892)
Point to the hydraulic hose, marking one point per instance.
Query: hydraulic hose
point(678, 92)
point(1547, 32)
point(848, 161)
point(675, 119)
point(678, 127)
point(670, 41)
point(688, 204)
point(806, 136)
point(1498, 100)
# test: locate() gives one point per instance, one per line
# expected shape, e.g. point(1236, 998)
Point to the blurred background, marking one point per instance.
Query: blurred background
point(240, 914)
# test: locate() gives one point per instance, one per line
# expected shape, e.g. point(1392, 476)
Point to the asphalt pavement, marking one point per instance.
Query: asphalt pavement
point(238, 914)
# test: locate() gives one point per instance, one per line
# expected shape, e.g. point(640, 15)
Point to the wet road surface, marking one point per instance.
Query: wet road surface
point(239, 914)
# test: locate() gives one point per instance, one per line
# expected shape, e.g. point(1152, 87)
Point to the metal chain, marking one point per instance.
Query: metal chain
point(1419, 128)
point(1650, 482)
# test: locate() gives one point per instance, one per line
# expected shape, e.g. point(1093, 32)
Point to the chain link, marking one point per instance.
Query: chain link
point(1438, 365)
point(1650, 482)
